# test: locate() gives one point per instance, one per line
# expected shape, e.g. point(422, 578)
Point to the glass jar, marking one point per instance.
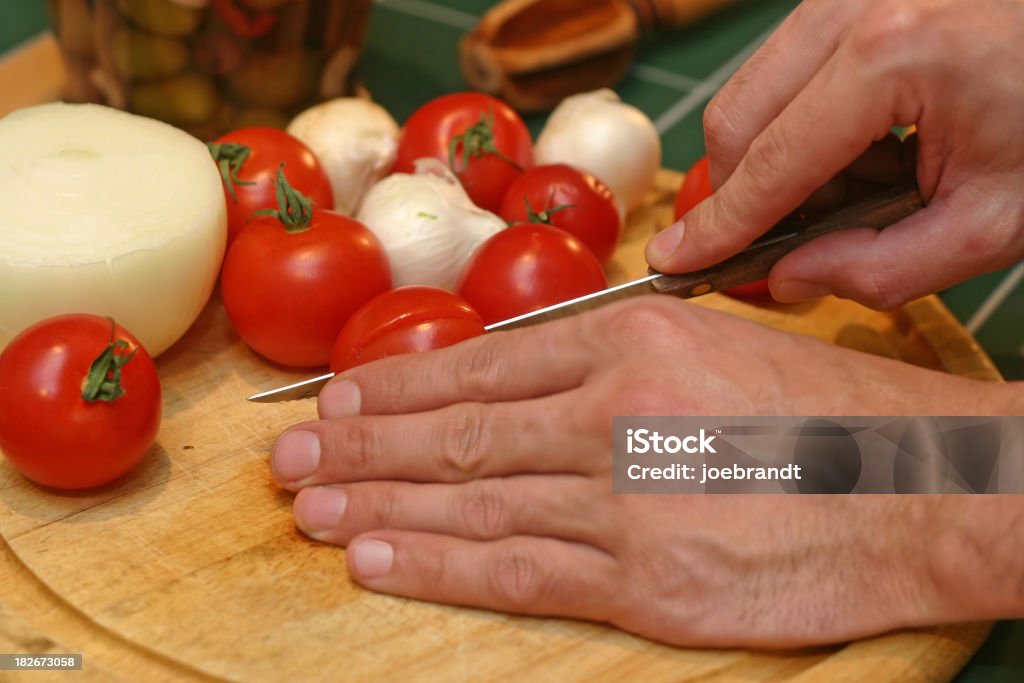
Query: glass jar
point(209, 66)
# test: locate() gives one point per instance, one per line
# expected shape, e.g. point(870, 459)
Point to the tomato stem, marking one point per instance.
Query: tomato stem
point(544, 217)
point(103, 381)
point(294, 209)
point(230, 156)
point(476, 141)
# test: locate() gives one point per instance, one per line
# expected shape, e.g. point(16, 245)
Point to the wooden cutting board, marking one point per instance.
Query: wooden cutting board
point(191, 566)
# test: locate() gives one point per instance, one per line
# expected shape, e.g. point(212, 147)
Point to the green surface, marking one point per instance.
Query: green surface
point(411, 58)
point(19, 20)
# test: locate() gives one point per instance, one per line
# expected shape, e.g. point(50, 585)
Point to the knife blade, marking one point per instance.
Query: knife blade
point(753, 263)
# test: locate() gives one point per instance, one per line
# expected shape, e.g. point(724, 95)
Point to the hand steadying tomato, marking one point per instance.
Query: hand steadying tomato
point(527, 267)
point(291, 281)
point(248, 159)
point(481, 138)
point(566, 198)
point(80, 402)
point(405, 320)
point(696, 188)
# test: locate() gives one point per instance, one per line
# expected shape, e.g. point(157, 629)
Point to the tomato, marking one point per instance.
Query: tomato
point(249, 159)
point(49, 430)
point(569, 199)
point(480, 137)
point(696, 188)
point(527, 267)
point(405, 320)
point(291, 281)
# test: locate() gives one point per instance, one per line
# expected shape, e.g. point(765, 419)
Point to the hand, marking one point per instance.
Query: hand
point(836, 76)
point(480, 475)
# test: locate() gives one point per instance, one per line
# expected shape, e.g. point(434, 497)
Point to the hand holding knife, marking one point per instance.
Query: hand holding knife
point(753, 263)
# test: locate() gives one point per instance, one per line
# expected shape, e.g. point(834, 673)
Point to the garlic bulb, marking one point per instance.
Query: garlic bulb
point(427, 223)
point(606, 137)
point(356, 141)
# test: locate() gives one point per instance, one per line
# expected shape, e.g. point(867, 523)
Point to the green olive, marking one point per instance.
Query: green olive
point(140, 56)
point(163, 17)
point(260, 117)
point(280, 80)
point(185, 99)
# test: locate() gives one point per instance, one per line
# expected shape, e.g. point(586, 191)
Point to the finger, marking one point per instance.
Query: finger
point(522, 574)
point(499, 366)
point(458, 443)
point(487, 509)
point(768, 81)
point(785, 164)
point(901, 263)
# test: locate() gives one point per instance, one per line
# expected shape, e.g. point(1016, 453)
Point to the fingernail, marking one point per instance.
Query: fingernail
point(338, 399)
point(666, 242)
point(321, 509)
point(793, 291)
point(373, 559)
point(296, 455)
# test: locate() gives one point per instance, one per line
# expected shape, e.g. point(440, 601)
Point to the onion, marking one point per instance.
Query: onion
point(108, 213)
point(427, 223)
point(356, 142)
point(606, 137)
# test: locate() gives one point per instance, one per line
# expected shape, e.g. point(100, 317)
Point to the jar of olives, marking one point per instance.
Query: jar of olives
point(209, 66)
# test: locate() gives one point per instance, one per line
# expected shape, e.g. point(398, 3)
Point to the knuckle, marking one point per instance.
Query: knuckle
point(385, 508)
point(719, 131)
point(889, 28)
point(358, 444)
point(482, 513)
point(642, 320)
point(391, 387)
point(515, 579)
point(766, 159)
point(880, 293)
point(463, 440)
point(483, 371)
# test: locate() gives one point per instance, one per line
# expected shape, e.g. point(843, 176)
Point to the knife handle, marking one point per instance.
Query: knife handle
point(878, 211)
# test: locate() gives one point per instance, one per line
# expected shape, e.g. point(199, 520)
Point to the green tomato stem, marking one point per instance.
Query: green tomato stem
point(103, 381)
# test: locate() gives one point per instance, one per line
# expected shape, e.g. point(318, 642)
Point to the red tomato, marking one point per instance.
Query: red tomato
point(249, 158)
point(527, 267)
point(480, 137)
point(290, 282)
point(569, 199)
point(50, 429)
point(404, 320)
point(696, 188)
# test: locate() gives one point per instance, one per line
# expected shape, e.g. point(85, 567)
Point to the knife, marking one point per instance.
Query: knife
point(878, 211)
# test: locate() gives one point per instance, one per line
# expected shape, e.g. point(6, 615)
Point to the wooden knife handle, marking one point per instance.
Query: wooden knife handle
point(878, 211)
point(676, 13)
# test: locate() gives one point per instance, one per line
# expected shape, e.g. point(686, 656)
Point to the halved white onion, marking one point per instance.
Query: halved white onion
point(108, 213)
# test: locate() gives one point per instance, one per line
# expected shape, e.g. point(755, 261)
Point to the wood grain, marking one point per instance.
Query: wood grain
point(191, 569)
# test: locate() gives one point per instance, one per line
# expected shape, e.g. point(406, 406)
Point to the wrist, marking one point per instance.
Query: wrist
point(974, 559)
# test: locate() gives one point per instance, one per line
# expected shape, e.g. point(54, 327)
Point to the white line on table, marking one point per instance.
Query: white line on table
point(996, 298)
point(709, 86)
point(431, 12)
point(658, 76)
